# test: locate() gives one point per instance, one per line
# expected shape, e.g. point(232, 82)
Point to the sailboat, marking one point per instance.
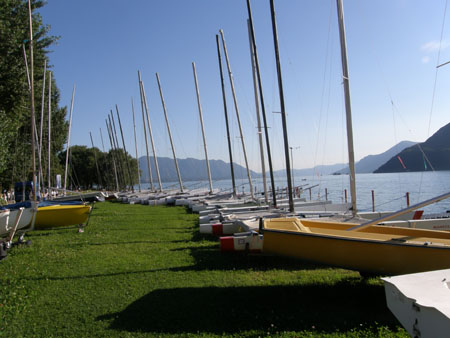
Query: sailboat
point(26, 219)
point(377, 249)
point(4, 222)
point(55, 214)
point(8, 229)
point(366, 247)
point(23, 214)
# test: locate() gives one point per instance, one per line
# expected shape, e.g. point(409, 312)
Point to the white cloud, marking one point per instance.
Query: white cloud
point(433, 46)
point(425, 59)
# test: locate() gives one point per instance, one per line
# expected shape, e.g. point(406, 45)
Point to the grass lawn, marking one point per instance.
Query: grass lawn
point(142, 271)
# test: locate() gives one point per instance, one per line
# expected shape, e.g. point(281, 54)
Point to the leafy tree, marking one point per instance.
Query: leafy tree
point(83, 171)
point(15, 116)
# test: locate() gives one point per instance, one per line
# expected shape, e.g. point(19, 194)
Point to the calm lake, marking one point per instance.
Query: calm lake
point(389, 189)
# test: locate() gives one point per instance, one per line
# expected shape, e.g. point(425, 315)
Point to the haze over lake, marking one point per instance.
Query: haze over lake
point(390, 189)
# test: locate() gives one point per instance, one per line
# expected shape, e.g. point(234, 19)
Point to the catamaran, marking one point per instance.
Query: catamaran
point(366, 246)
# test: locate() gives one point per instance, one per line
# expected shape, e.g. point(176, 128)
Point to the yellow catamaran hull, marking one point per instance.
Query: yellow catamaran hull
point(61, 215)
point(376, 249)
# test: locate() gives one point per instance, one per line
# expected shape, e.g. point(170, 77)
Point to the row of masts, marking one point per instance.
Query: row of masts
point(36, 140)
point(147, 126)
point(120, 163)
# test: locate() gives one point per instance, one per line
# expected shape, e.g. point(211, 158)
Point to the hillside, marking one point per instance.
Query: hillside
point(317, 170)
point(371, 163)
point(191, 169)
point(436, 150)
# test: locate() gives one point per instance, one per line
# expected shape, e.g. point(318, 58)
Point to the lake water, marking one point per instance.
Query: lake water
point(389, 189)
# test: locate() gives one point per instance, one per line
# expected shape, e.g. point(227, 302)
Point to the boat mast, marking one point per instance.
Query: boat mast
point(49, 127)
point(230, 74)
point(203, 129)
point(125, 150)
point(33, 125)
point(68, 140)
point(149, 168)
point(170, 134)
point(258, 118)
point(283, 111)
point(103, 148)
point(155, 157)
point(226, 116)
point(135, 143)
point(108, 128)
point(96, 162)
point(101, 137)
point(116, 145)
point(348, 108)
point(35, 134)
point(41, 173)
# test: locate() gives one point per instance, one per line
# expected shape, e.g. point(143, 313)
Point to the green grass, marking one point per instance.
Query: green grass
point(145, 271)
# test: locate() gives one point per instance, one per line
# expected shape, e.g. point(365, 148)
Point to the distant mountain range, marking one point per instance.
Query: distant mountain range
point(191, 169)
point(317, 170)
point(371, 163)
point(406, 156)
point(433, 154)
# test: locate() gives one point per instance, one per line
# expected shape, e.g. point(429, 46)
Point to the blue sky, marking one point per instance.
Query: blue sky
point(393, 48)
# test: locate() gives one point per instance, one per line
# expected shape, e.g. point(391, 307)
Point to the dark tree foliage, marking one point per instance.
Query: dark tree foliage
point(15, 111)
point(83, 173)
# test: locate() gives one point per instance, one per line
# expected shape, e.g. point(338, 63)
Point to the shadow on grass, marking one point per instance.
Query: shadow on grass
point(125, 243)
point(211, 258)
point(350, 304)
point(208, 259)
point(54, 231)
point(198, 237)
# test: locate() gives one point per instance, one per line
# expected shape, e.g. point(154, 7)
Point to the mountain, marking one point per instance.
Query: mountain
point(191, 169)
point(434, 153)
point(317, 170)
point(370, 163)
point(436, 148)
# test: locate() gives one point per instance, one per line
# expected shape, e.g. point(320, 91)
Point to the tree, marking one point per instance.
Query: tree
point(15, 117)
point(83, 172)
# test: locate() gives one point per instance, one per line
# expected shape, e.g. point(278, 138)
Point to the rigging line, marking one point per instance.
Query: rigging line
point(343, 146)
point(437, 68)
point(328, 101)
point(426, 158)
point(434, 90)
point(390, 201)
point(327, 59)
point(244, 97)
point(395, 110)
point(378, 60)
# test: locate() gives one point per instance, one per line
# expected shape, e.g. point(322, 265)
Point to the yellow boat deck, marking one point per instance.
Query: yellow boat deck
point(378, 249)
point(375, 232)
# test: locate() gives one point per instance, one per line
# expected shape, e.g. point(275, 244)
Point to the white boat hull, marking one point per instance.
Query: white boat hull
point(421, 302)
point(4, 222)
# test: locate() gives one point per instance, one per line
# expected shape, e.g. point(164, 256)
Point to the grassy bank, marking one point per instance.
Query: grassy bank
point(145, 271)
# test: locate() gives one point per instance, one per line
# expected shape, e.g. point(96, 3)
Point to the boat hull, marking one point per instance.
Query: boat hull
point(386, 251)
point(4, 221)
point(61, 215)
point(26, 220)
point(97, 196)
